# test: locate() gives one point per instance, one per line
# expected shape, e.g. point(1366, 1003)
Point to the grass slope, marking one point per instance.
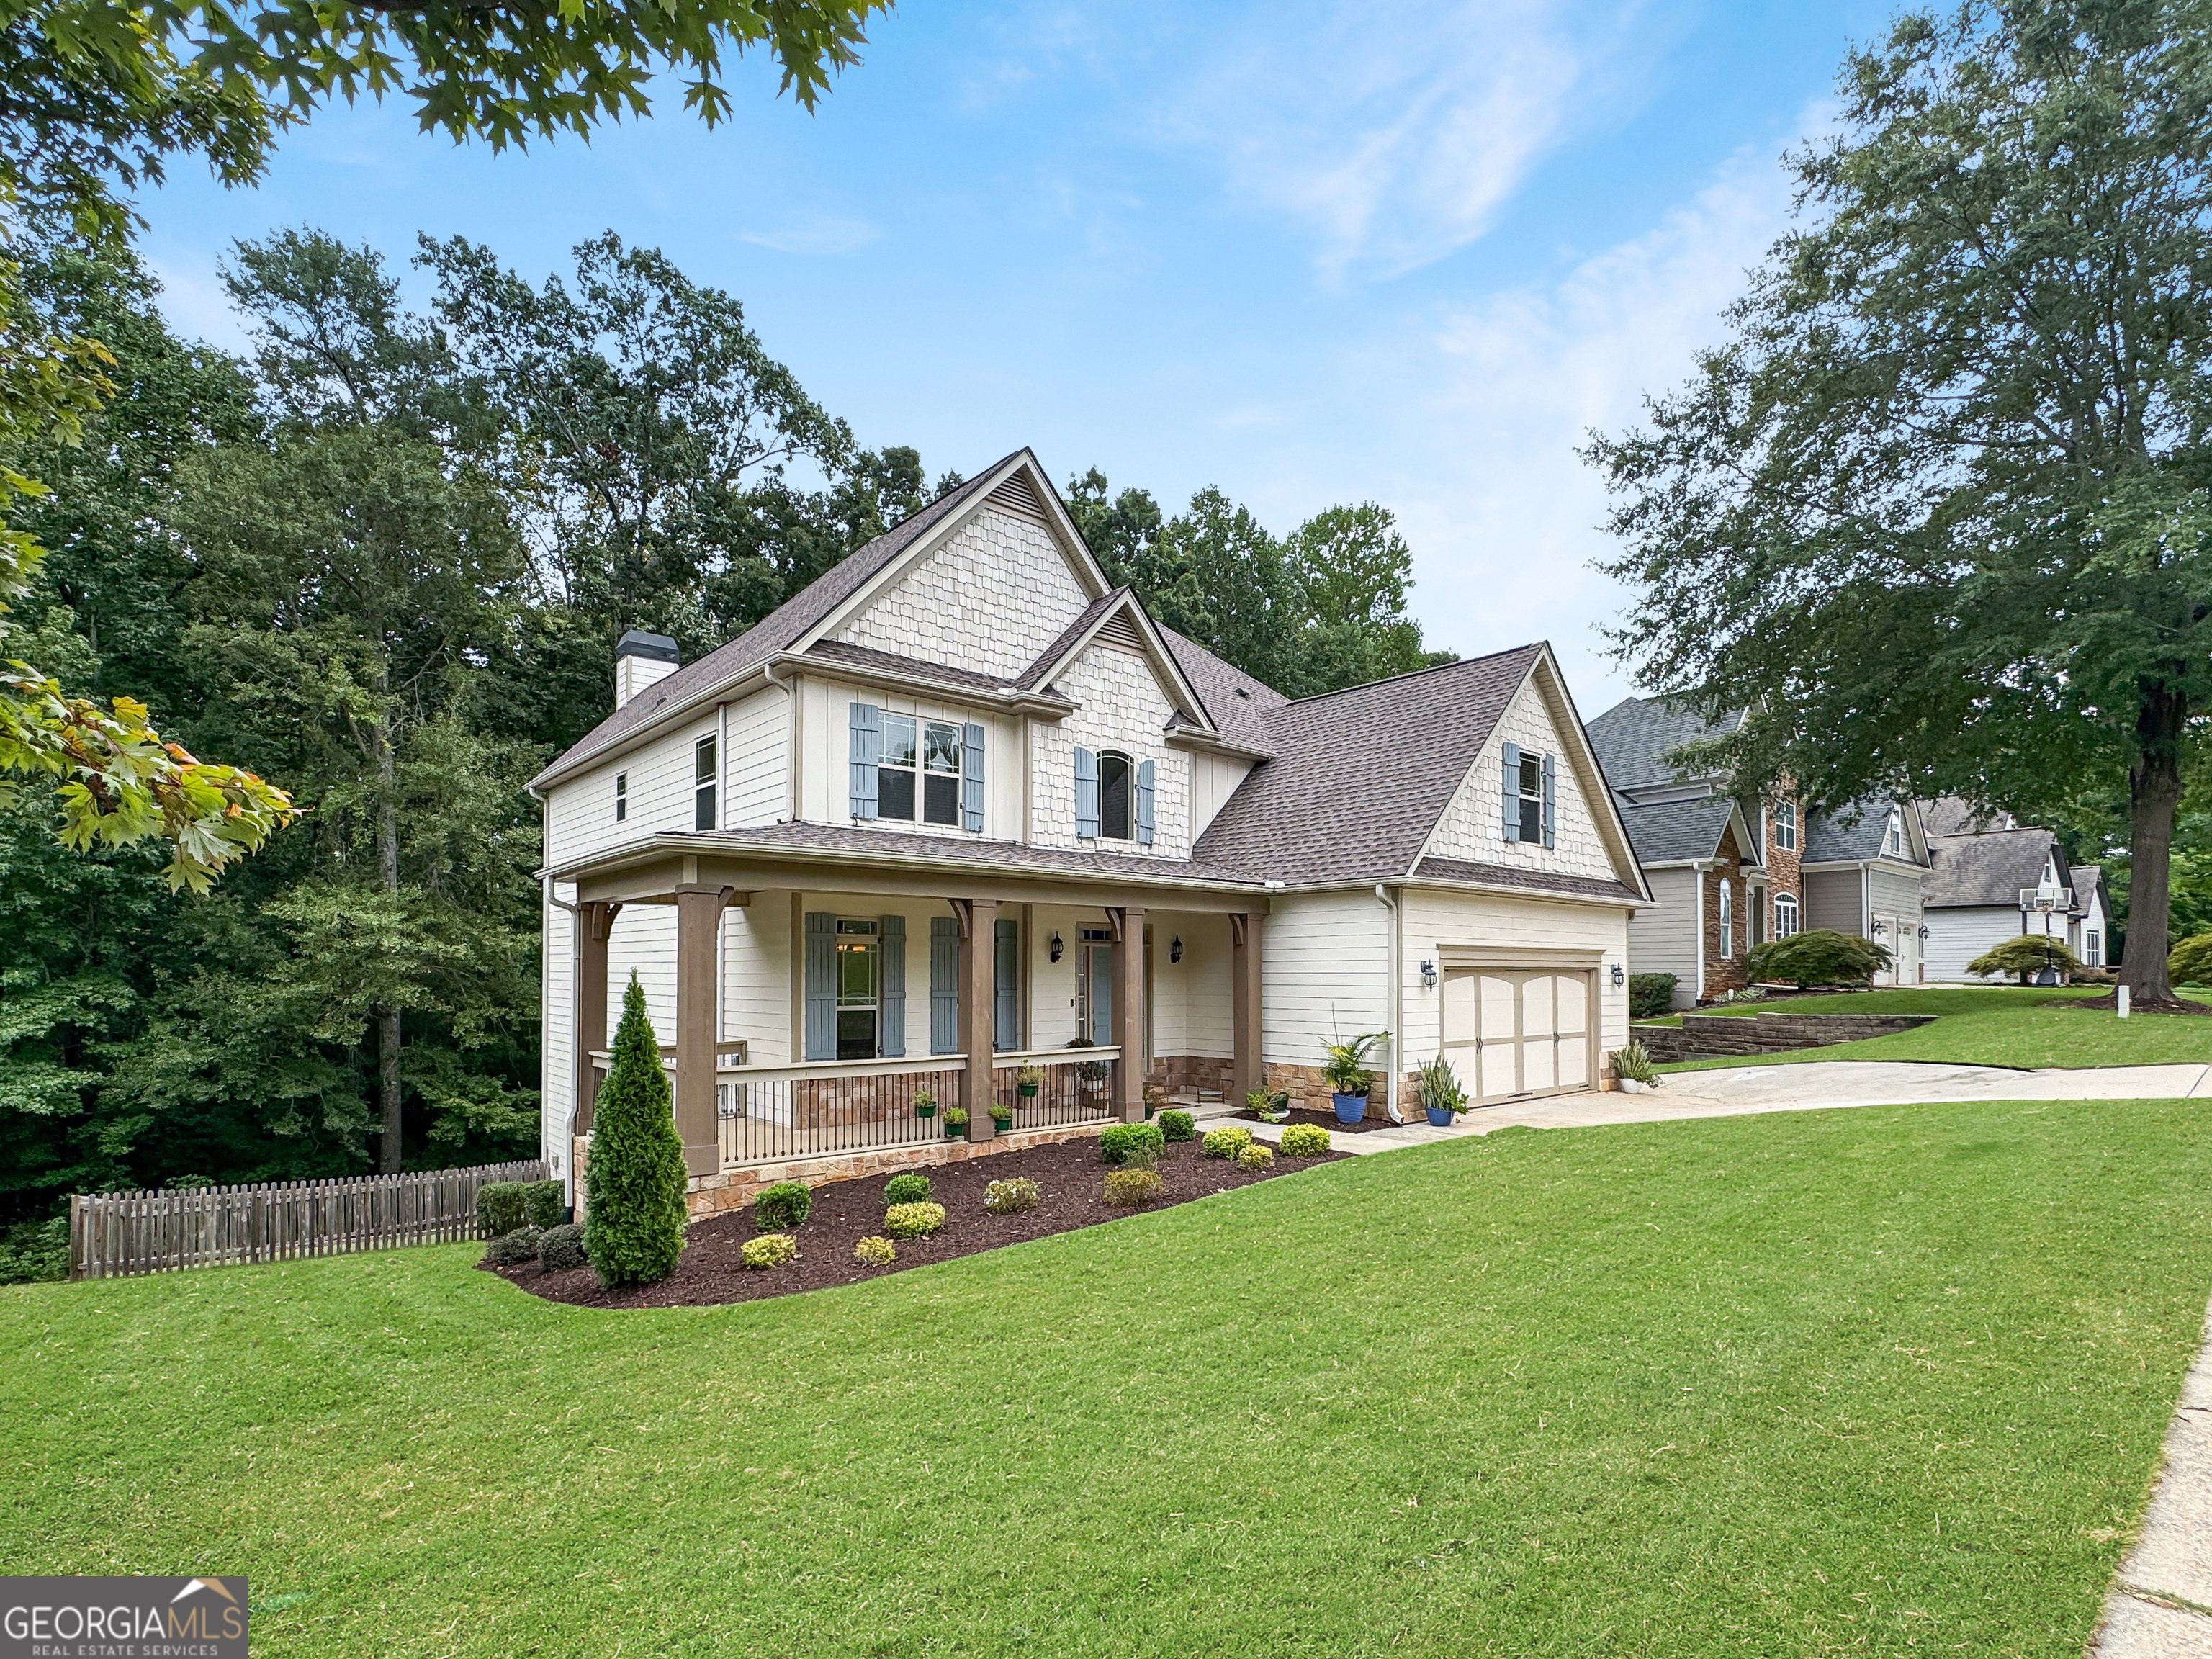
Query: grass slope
point(1883, 1381)
point(2019, 1026)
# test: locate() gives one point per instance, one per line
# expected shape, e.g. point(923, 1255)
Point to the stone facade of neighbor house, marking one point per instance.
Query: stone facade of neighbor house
point(962, 814)
point(1731, 905)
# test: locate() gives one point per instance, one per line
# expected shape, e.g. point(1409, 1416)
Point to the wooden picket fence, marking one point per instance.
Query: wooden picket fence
point(114, 1235)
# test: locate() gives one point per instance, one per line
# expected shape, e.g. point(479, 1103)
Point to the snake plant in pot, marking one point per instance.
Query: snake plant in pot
point(1349, 1080)
point(1442, 1098)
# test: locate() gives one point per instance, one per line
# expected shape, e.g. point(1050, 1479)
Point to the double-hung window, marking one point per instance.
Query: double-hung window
point(1894, 841)
point(920, 766)
point(1785, 915)
point(703, 781)
point(1528, 796)
point(1786, 826)
point(622, 796)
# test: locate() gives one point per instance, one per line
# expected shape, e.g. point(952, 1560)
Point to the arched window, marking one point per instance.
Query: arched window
point(1785, 915)
point(1727, 919)
point(1115, 777)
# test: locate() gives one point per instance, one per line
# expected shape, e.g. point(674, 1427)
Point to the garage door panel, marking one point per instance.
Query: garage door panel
point(1574, 1063)
point(1573, 996)
point(1509, 1033)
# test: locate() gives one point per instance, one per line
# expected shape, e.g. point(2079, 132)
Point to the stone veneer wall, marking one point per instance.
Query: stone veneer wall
point(1176, 1073)
point(1309, 1091)
point(1726, 974)
point(1708, 1036)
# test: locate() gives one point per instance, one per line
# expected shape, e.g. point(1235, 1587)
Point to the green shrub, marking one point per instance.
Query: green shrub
point(1226, 1142)
point(1178, 1125)
point(1304, 1140)
point(1269, 1105)
point(1125, 1144)
point(907, 1189)
point(500, 1208)
point(1255, 1156)
point(633, 1184)
point(913, 1220)
point(875, 1252)
point(1819, 956)
point(1015, 1197)
point(784, 1205)
point(561, 1247)
point(35, 1251)
point(544, 1203)
point(2027, 954)
point(512, 1250)
point(1132, 1190)
point(2190, 962)
point(769, 1250)
point(1650, 995)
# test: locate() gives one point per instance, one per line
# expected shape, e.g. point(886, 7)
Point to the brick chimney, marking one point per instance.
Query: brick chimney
point(640, 659)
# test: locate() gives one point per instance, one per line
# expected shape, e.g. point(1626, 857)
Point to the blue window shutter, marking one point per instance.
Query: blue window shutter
point(821, 1023)
point(1007, 985)
point(1086, 794)
point(971, 778)
point(1144, 804)
point(943, 986)
point(890, 984)
point(1512, 822)
point(867, 749)
point(1551, 795)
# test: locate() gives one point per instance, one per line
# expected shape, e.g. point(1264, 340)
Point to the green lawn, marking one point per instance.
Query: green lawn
point(1882, 1381)
point(2017, 1026)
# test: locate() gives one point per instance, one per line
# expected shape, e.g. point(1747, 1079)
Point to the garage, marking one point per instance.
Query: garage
point(1517, 1026)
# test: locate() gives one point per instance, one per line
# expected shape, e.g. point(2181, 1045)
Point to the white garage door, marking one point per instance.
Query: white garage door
point(1510, 1033)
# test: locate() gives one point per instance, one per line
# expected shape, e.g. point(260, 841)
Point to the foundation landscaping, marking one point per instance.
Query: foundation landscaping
point(1890, 1381)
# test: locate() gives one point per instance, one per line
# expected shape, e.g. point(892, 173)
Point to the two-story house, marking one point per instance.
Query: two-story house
point(961, 821)
point(1990, 878)
point(1727, 874)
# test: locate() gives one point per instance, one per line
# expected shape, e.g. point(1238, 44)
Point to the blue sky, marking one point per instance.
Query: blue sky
point(1309, 253)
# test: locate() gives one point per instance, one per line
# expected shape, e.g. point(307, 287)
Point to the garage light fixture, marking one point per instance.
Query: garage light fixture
point(1620, 977)
point(1429, 974)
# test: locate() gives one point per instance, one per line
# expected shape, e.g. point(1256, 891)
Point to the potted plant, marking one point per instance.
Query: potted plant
point(1152, 1099)
point(925, 1103)
point(1028, 1079)
point(1345, 1068)
point(1631, 1070)
point(1442, 1098)
point(1002, 1115)
point(955, 1122)
point(1269, 1105)
point(1094, 1073)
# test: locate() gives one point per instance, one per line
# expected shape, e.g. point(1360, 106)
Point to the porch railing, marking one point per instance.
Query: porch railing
point(772, 1114)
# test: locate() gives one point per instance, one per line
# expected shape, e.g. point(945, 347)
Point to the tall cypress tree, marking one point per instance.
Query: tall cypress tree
point(633, 1184)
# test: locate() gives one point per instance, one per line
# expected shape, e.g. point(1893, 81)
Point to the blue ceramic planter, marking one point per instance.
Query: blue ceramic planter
point(1440, 1117)
point(1350, 1108)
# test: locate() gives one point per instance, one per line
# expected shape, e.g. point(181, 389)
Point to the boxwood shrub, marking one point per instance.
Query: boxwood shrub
point(784, 1205)
point(907, 1189)
point(1130, 1144)
point(1132, 1190)
point(769, 1250)
point(544, 1203)
point(875, 1252)
point(561, 1247)
point(512, 1250)
point(1226, 1142)
point(1650, 995)
point(1254, 1156)
point(913, 1220)
point(1178, 1125)
point(1014, 1197)
point(499, 1207)
point(1304, 1140)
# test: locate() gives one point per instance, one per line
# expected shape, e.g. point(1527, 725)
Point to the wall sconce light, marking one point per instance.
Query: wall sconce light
point(1175, 948)
point(1923, 932)
point(1880, 928)
point(1429, 974)
point(1055, 947)
point(1620, 977)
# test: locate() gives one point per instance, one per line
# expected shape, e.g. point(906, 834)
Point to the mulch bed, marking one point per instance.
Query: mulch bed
point(1069, 1176)
point(1327, 1121)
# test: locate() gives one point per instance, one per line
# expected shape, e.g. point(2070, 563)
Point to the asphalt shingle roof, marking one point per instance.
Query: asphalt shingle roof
point(1632, 738)
point(799, 836)
point(1360, 777)
point(1830, 839)
point(1987, 869)
point(1668, 832)
point(1507, 875)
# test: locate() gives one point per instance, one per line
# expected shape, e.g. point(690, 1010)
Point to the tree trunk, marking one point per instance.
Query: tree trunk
point(387, 1085)
point(387, 1019)
point(2153, 796)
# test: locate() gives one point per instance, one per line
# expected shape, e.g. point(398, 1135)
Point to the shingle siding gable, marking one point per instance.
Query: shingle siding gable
point(1472, 828)
point(1119, 704)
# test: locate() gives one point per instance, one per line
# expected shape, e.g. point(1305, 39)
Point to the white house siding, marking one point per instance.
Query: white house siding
point(757, 988)
point(579, 810)
point(1473, 826)
point(1664, 939)
point(1835, 899)
point(1957, 934)
point(756, 772)
point(1326, 974)
point(1436, 918)
point(825, 784)
point(1051, 999)
point(989, 598)
point(1895, 892)
point(1121, 705)
point(1213, 779)
point(1193, 999)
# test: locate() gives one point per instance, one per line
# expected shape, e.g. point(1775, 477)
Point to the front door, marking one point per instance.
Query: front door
point(857, 990)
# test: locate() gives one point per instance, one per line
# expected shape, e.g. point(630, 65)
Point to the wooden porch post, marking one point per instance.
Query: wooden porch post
point(1247, 1070)
point(698, 992)
point(594, 922)
point(979, 929)
point(1129, 1012)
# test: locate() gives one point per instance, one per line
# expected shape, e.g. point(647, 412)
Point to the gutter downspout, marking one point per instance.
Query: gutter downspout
point(1697, 875)
point(568, 1129)
point(1392, 1002)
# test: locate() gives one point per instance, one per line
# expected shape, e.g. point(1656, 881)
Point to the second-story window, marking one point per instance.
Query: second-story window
point(1785, 825)
point(1530, 793)
point(703, 781)
point(1895, 841)
point(920, 758)
point(622, 796)
point(1115, 797)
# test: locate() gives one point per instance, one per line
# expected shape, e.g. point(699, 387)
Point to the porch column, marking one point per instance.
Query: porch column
point(698, 990)
point(979, 928)
point(594, 922)
point(1247, 1071)
point(1129, 1012)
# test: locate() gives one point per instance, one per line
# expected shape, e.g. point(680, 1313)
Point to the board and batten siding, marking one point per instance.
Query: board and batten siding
point(1472, 828)
point(1120, 705)
point(989, 598)
point(1835, 899)
point(1213, 779)
point(1325, 974)
point(1957, 935)
point(1436, 919)
point(1664, 939)
point(825, 784)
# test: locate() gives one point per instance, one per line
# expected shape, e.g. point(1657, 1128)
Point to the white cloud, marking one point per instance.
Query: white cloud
point(1395, 132)
point(818, 233)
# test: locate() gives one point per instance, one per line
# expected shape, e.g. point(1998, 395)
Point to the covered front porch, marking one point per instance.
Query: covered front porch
point(845, 1013)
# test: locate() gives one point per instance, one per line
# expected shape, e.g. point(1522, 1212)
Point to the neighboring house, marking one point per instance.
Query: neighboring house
point(1990, 878)
point(1728, 874)
point(961, 807)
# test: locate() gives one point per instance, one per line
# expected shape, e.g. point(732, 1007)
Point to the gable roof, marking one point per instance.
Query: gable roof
point(1677, 831)
point(1951, 815)
point(1137, 626)
point(2088, 881)
point(1830, 840)
point(1238, 705)
point(1632, 738)
point(1987, 869)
